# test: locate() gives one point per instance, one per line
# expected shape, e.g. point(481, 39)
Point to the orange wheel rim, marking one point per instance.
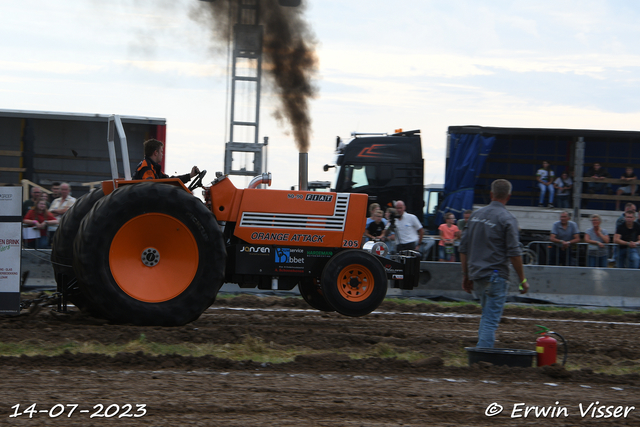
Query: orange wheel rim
point(355, 283)
point(153, 257)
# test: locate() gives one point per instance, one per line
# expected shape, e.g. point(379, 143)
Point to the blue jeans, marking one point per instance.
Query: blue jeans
point(442, 253)
point(543, 189)
point(629, 255)
point(41, 242)
point(425, 249)
point(492, 299)
point(598, 261)
point(562, 201)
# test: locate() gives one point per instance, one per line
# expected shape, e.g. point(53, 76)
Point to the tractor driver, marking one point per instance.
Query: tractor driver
point(149, 168)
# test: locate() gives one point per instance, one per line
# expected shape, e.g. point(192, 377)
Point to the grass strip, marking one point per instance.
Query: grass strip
point(250, 348)
point(257, 350)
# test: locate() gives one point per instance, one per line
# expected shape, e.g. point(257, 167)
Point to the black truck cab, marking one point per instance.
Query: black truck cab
point(386, 167)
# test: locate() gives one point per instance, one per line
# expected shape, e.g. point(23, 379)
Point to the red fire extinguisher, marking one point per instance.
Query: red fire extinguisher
point(547, 347)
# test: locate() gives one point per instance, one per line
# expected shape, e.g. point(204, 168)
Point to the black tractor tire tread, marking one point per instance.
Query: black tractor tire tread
point(62, 245)
point(97, 230)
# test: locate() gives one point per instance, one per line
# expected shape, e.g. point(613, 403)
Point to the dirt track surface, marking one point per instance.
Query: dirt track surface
point(328, 388)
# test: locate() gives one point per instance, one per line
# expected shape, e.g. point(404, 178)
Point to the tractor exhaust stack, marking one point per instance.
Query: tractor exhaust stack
point(303, 170)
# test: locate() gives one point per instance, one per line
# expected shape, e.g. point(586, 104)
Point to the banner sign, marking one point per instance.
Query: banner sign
point(10, 248)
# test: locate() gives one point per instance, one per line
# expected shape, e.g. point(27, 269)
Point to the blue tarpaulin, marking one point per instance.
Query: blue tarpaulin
point(467, 155)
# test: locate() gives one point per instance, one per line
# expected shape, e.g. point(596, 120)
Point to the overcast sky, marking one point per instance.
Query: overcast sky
point(383, 65)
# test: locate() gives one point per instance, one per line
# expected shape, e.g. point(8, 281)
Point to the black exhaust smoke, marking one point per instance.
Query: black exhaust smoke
point(289, 58)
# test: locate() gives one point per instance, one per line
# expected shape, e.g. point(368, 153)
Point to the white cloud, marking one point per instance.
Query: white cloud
point(46, 67)
point(376, 65)
point(336, 64)
point(187, 69)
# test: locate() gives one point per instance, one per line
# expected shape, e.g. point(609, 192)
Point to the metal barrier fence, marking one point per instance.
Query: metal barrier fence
point(542, 253)
point(577, 255)
point(430, 250)
point(430, 247)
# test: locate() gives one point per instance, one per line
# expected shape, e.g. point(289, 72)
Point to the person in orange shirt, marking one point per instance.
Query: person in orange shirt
point(150, 168)
point(449, 233)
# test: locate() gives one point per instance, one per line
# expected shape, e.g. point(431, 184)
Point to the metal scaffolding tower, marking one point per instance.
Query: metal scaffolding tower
point(245, 81)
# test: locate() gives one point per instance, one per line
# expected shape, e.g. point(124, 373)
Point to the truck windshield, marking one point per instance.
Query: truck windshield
point(432, 201)
point(350, 177)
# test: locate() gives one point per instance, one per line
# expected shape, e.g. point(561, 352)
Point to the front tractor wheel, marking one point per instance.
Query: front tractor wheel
point(354, 282)
point(150, 254)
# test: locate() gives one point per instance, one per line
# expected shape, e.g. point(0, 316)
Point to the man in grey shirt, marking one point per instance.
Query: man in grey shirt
point(564, 233)
point(490, 242)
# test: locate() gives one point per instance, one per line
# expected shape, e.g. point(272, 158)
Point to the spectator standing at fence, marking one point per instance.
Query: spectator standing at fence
point(563, 185)
point(620, 221)
point(373, 207)
point(564, 233)
point(628, 237)
point(597, 238)
point(60, 206)
point(389, 234)
point(545, 178)
point(449, 233)
point(630, 189)
point(55, 190)
point(409, 230)
point(628, 207)
point(376, 227)
point(40, 218)
point(464, 222)
point(35, 193)
point(490, 242)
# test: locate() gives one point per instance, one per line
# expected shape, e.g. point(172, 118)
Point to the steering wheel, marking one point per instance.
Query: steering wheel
point(198, 181)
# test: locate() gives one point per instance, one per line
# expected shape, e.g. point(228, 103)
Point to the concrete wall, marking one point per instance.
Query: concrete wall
point(605, 287)
point(601, 287)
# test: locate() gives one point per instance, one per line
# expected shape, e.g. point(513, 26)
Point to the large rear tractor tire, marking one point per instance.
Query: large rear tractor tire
point(354, 282)
point(311, 291)
point(62, 246)
point(150, 254)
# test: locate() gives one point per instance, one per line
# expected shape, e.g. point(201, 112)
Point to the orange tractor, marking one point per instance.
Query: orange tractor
point(150, 253)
